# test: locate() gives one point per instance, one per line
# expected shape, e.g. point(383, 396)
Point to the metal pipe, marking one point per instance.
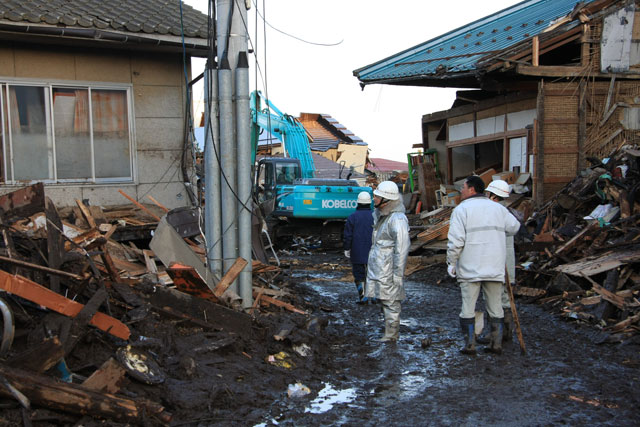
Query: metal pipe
point(245, 168)
point(212, 205)
point(228, 171)
point(8, 329)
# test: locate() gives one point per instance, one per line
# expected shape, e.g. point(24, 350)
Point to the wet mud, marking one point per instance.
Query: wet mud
point(565, 378)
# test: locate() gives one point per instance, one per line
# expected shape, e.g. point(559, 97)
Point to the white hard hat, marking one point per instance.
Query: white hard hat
point(387, 190)
point(364, 198)
point(499, 187)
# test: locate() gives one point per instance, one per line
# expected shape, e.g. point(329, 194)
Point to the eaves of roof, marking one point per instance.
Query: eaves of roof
point(452, 58)
point(111, 23)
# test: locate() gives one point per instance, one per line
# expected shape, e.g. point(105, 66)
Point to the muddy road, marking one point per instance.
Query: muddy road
point(565, 378)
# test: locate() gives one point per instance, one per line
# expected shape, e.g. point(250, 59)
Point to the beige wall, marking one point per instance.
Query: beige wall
point(157, 89)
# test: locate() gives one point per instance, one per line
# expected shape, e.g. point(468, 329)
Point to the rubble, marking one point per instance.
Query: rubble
point(90, 317)
point(584, 263)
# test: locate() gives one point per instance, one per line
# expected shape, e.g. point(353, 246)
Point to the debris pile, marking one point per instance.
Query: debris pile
point(584, 256)
point(94, 325)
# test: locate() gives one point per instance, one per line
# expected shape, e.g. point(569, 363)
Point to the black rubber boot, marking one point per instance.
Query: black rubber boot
point(360, 288)
point(468, 330)
point(495, 346)
point(507, 331)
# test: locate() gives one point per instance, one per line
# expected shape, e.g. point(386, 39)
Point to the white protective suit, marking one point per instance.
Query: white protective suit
point(389, 251)
point(476, 244)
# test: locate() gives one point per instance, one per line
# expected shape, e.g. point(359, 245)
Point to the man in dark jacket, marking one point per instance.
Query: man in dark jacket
point(357, 241)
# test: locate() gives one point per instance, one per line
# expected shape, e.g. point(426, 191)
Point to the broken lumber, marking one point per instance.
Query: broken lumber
point(52, 271)
point(40, 358)
point(132, 200)
point(108, 379)
point(68, 397)
point(187, 280)
point(239, 264)
point(87, 215)
point(40, 295)
point(265, 300)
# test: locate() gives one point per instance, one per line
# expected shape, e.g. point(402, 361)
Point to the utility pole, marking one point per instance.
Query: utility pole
point(235, 170)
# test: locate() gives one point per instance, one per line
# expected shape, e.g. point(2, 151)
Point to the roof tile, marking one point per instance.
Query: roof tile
point(136, 16)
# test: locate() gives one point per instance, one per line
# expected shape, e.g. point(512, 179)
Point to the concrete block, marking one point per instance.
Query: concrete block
point(158, 101)
point(7, 64)
point(107, 195)
point(157, 71)
point(63, 195)
point(99, 67)
point(159, 166)
point(45, 64)
point(159, 134)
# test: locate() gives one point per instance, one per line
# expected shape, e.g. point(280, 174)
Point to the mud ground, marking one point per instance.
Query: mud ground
point(565, 378)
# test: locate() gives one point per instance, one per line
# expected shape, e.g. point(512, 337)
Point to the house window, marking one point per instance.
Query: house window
point(65, 134)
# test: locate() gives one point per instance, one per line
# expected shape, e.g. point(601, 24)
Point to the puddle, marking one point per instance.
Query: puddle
point(328, 397)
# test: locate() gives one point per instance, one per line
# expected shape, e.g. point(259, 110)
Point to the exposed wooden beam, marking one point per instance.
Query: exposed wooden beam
point(565, 71)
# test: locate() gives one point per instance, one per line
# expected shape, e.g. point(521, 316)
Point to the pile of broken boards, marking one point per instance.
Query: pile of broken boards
point(584, 258)
point(429, 230)
point(91, 325)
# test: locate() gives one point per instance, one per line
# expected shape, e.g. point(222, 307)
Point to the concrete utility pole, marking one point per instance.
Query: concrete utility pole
point(235, 170)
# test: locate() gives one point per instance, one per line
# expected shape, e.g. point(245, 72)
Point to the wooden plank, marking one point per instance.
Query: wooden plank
point(87, 215)
point(230, 276)
point(149, 262)
point(98, 215)
point(51, 271)
point(187, 280)
point(265, 300)
point(132, 200)
point(68, 397)
point(606, 262)
point(39, 358)
point(79, 325)
point(55, 242)
point(157, 203)
point(535, 51)
point(34, 292)
point(108, 379)
point(108, 263)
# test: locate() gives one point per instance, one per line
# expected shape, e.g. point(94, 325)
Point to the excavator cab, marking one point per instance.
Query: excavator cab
point(271, 174)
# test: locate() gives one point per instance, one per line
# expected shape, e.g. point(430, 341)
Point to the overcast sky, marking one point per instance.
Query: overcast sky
point(307, 78)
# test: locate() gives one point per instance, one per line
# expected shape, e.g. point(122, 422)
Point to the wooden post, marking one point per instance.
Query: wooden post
point(535, 51)
point(516, 319)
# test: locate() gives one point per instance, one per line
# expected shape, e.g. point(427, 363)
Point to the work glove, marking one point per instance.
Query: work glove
point(347, 253)
point(451, 269)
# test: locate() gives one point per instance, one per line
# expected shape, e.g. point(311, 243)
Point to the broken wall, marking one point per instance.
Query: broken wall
point(157, 98)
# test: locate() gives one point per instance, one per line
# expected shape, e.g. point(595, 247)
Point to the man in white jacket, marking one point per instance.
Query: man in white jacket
point(388, 256)
point(476, 255)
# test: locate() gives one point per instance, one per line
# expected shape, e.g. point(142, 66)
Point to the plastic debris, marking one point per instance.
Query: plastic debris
point(297, 390)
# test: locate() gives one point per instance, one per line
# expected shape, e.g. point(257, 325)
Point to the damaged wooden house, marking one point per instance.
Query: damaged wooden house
point(94, 98)
point(548, 84)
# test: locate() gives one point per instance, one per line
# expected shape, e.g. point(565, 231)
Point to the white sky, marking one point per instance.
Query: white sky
point(302, 77)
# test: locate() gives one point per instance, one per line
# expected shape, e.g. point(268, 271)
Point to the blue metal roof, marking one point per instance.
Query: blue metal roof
point(458, 51)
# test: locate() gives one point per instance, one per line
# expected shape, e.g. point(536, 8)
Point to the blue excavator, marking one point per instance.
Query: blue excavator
point(291, 198)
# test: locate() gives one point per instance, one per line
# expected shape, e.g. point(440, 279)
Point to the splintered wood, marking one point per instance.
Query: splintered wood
point(588, 237)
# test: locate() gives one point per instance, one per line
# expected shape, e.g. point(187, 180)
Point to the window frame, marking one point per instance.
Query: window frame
point(49, 86)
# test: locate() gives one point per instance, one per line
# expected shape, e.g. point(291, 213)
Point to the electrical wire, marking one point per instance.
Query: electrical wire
point(291, 35)
point(188, 124)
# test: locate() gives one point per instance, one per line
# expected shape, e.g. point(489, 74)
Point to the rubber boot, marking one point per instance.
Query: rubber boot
point(391, 331)
point(507, 331)
point(468, 330)
point(495, 346)
point(361, 297)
